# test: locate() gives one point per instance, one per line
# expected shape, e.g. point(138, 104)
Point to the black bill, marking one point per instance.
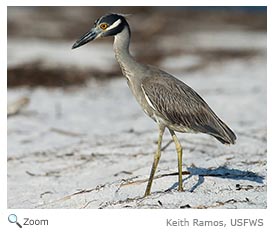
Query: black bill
point(89, 36)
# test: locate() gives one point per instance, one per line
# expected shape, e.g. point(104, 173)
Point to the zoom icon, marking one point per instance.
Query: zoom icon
point(12, 218)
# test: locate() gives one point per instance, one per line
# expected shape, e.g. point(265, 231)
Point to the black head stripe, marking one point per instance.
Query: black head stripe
point(110, 19)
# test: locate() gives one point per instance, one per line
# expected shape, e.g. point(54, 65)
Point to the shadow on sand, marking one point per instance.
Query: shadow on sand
point(222, 172)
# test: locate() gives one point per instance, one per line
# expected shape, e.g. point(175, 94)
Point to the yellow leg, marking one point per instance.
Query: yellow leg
point(155, 162)
point(179, 152)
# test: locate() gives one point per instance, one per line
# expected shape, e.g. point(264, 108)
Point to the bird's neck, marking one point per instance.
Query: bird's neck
point(122, 54)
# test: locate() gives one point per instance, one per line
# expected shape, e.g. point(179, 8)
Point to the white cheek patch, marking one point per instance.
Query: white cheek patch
point(114, 25)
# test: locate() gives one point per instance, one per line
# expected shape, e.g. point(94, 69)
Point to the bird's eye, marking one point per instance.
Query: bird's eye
point(103, 26)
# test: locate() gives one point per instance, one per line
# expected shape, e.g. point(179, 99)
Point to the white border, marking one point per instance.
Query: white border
point(120, 221)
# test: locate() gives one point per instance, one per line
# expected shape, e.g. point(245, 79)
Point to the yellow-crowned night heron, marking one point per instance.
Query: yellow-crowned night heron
point(168, 101)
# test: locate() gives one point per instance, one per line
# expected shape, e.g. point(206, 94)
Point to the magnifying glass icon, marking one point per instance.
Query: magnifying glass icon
point(12, 218)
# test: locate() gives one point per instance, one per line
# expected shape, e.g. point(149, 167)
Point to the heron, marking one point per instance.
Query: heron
point(171, 103)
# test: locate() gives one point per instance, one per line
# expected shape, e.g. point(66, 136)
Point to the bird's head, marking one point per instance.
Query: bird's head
point(107, 25)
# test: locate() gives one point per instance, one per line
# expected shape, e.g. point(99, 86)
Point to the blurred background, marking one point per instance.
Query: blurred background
point(58, 97)
point(39, 40)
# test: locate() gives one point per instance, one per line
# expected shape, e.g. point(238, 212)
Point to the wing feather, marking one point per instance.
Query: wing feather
point(181, 105)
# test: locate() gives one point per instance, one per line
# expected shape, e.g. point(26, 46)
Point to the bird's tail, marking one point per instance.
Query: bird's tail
point(223, 134)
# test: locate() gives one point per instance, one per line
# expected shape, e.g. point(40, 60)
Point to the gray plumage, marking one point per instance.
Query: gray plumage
point(168, 101)
point(182, 108)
